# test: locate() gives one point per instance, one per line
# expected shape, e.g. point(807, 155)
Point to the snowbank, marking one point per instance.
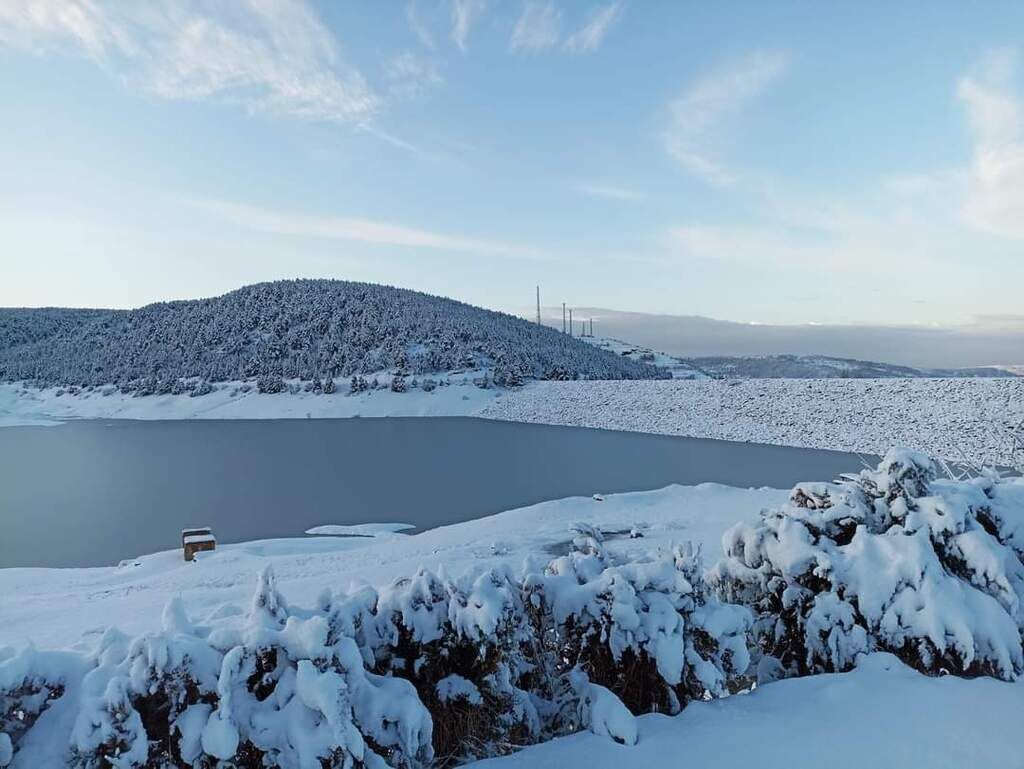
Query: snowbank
point(238, 400)
point(881, 715)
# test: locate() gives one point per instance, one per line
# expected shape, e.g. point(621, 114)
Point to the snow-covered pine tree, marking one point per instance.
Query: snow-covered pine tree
point(892, 559)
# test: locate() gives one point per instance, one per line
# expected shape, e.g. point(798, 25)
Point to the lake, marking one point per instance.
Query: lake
point(94, 492)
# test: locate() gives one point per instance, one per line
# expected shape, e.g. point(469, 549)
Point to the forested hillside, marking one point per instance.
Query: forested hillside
point(301, 329)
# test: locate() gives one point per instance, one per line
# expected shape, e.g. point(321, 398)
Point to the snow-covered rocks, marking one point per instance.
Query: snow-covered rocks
point(890, 560)
point(956, 419)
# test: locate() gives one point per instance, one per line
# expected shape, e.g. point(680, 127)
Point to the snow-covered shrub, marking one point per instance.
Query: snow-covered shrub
point(892, 559)
point(398, 384)
point(647, 629)
point(200, 388)
point(281, 690)
point(30, 682)
point(270, 384)
point(459, 643)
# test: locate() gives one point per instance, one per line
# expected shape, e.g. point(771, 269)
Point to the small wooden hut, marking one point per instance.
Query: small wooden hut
point(196, 540)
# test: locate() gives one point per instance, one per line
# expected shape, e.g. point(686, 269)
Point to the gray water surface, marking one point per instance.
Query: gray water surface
point(94, 492)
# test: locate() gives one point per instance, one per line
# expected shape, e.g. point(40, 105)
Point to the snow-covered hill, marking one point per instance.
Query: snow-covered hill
point(786, 366)
point(826, 367)
point(304, 329)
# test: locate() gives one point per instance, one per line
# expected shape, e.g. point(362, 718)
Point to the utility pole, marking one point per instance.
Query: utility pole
point(538, 305)
point(563, 317)
point(570, 321)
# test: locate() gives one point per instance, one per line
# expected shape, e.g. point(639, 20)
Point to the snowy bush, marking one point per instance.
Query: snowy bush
point(459, 643)
point(270, 384)
point(30, 683)
point(892, 559)
point(427, 671)
point(647, 630)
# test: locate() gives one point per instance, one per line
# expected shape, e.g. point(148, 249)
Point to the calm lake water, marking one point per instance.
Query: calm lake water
point(95, 492)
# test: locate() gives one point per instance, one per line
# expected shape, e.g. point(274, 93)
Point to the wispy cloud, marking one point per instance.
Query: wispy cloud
point(707, 102)
point(354, 229)
point(538, 27)
point(265, 55)
point(417, 25)
point(411, 76)
point(589, 37)
point(465, 13)
point(995, 190)
point(607, 191)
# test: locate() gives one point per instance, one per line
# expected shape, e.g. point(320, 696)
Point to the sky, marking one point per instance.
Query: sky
point(779, 163)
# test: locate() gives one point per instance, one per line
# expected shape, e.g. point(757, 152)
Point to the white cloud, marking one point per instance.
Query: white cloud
point(607, 191)
point(265, 55)
point(465, 13)
point(538, 27)
point(589, 37)
point(354, 229)
point(410, 76)
point(707, 102)
point(995, 189)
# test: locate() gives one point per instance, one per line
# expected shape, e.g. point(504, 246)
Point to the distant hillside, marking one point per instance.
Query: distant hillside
point(824, 367)
point(304, 329)
point(989, 342)
point(783, 366)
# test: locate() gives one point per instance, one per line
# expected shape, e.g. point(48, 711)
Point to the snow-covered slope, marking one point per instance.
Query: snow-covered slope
point(304, 329)
point(677, 367)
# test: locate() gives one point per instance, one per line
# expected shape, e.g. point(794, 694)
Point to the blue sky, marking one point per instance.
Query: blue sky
point(765, 162)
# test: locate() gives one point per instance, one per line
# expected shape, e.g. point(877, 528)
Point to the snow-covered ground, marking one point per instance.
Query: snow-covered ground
point(958, 419)
point(238, 400)
point(57, 607)
point(880, 715)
